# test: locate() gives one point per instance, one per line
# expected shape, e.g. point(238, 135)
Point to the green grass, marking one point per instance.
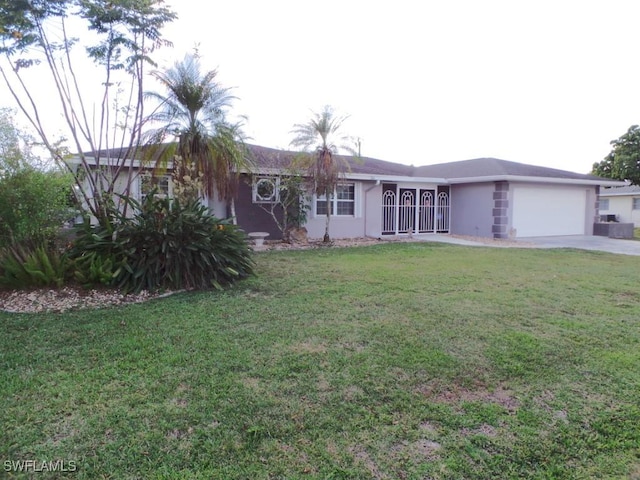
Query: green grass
point(411, 361)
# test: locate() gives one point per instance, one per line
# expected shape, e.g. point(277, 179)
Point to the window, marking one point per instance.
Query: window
point(342, 201)
point(636, 203)
point(603, 204)
point(265, 190)
point(161, 183)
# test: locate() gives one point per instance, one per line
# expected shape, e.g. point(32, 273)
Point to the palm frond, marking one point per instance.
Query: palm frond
point(194, 110)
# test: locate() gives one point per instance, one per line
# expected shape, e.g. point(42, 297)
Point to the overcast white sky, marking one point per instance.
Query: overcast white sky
point(546, 82)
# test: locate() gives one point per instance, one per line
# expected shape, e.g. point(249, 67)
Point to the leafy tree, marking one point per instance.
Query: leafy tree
point(106, 128)
point(289, 208)
point(34, 202)
point(623, 162)
point(15, 146)
point(317, 138)
point(194, 110)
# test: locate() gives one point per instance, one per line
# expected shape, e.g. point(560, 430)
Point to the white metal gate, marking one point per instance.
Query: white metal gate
point(427, 212)
point(412, 210)
point(442, 224)
point(406, 211)
point(389, 212)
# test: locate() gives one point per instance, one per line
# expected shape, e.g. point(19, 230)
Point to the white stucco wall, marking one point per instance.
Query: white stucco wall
point(340, 226)
point(622, 207)
point(216, 206)
point(635, 217)
point(120, 185)
point(372, 195)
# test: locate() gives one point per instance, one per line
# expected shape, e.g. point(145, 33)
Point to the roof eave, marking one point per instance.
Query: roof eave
point(113, 162)
point(606, 193)
point(393, 178)
point(532, 179)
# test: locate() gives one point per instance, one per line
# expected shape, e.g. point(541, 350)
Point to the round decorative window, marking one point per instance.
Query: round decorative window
point(265, 190)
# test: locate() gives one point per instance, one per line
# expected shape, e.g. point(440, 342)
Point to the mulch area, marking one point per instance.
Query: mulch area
point(65, 299)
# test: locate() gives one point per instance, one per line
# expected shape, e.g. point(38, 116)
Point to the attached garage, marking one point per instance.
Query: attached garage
point(547, 210)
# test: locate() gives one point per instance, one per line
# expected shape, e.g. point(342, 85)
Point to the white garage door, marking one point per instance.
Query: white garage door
point(548, 210)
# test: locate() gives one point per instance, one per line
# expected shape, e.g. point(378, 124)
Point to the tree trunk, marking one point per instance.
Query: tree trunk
point(234, 219)
point(326, 238)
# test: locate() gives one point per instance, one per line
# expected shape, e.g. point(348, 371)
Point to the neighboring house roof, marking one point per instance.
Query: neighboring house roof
point(615, 191)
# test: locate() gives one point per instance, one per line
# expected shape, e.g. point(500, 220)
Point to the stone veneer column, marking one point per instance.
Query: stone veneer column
point(500, 208)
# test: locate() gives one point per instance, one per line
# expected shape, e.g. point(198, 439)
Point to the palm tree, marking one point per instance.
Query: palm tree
point(317, 139)
point(193, 110)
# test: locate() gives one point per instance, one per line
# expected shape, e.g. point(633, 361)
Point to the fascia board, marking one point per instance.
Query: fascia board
point(394, 178)
point(523, 179)
point(106, 162)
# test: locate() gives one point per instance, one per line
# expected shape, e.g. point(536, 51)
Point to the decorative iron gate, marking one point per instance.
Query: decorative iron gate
point(388, 212)
point(427, 211)
point(411, 210)
point(442, 224)
point(406, 211)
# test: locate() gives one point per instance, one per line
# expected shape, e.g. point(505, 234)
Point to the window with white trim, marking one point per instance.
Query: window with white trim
point(343, 201)
point(162, 185)
point(603, 204)
point(265, 190)
point(636, 204)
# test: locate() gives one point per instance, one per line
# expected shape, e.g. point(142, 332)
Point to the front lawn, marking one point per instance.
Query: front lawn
point(411, 361)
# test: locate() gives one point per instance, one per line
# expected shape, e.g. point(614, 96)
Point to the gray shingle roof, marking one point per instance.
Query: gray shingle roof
point(626, 190)
point(272, 158)
point(493, 167)
point(265, 157)
point(479, 167)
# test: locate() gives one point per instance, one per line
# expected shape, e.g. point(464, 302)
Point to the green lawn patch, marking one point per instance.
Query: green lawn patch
point(412, 360)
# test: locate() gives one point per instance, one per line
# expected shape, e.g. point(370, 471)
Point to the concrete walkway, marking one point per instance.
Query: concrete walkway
point(588, 242)
point(582, 242)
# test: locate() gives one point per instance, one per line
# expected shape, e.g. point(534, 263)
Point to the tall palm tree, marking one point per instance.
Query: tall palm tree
point(317, 138)
point(193, 110)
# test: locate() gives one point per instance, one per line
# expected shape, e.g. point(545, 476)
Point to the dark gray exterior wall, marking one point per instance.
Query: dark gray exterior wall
point(252, 218)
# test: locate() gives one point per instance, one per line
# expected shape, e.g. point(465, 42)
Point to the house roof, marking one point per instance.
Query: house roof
point(265, 157)
point(466, 171)
point(493, 167)
point(625, 190)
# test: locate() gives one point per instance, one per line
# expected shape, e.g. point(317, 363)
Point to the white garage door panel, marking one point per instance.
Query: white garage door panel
point(546, 211)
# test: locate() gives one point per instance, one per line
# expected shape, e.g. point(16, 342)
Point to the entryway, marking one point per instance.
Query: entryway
point(408, 210)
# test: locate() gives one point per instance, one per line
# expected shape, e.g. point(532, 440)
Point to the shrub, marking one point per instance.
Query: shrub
point(33, 205)
point(29, 265)
point(165, 244)
point(93, 269)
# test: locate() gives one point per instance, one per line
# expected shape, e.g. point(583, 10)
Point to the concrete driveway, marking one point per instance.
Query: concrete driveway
point(583, 242)
point(586, 242)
